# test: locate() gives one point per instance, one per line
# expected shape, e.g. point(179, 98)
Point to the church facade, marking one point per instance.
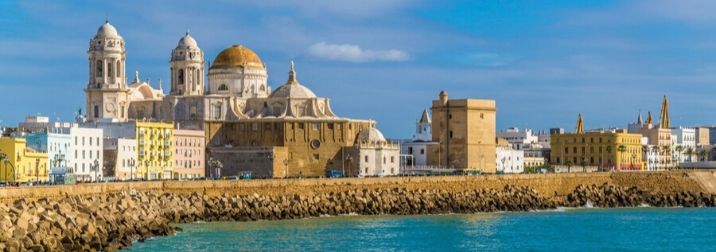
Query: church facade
point(249, 128)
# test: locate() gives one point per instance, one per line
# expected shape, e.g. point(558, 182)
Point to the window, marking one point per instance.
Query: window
point(410, 150)
point(314, 126)
point(254, 126)
point(99, 65)
point(223, 87)
point(119, 69)
point(96, 111)
point(451, 134)
point(180, 77)
point(422, 151)
point(392, 159)
point(109, 69)
point(366, 160)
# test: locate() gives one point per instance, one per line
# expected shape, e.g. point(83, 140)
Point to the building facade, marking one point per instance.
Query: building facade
point(374, 155)
point(613, 149)
point(509, 160)
point(465, 131)
point(416, 150)
point(659, 135)
point(189, 154)
point(155, 150)
point(20, 163)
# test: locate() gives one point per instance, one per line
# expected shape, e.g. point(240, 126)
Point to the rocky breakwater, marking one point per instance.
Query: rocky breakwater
point(113, 221)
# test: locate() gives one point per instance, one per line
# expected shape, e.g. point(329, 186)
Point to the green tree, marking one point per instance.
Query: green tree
point(690, 153)
point(678, 149)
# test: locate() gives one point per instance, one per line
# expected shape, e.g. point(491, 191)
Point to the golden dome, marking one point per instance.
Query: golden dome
point(237, 56)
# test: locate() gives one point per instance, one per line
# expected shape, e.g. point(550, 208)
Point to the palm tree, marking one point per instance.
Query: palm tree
point(702, 154)
point(621, 149)
point(690, 153)
point(678, 149)
point(665, 151)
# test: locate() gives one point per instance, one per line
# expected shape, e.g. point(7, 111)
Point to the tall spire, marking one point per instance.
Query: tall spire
point(649, 120)
point(638, 119)
point(425, 117)
point(580, 125)
point(136, 77)
point(664, 122)
point(292, 75)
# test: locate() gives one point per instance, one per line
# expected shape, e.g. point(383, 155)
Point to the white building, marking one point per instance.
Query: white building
point(59, 149)
point(416, 151)
point(519, 139)
point(684, 142)
point(375, 155)
point(509, 160)
point(121, 157)
point(650, 154)
point(78, 149)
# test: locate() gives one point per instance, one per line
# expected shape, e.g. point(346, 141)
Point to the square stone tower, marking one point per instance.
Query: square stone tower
point(465, 132)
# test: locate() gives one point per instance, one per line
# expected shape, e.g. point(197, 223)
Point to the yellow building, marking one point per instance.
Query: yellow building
point(155, 150)
point(19, 163)
point(612, 149)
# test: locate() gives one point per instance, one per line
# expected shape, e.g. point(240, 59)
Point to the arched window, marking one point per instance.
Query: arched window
point(96, 111)
point(119, 69)
point(99, 65)
point(223, 87)
point(181, 76)
point(197, 77)
point(110, 67)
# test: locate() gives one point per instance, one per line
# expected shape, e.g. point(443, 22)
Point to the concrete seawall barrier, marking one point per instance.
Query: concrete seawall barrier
point(111, 216)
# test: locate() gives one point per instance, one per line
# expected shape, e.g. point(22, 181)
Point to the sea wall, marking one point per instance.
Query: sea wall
point(112, 216)
point(546, 184)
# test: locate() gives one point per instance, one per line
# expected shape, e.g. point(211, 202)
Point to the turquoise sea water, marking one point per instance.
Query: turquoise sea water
point(635, 229)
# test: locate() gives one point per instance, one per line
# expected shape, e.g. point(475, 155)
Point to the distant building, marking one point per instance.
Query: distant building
point(684, 144)
point(703, 136)
point(658, 134)
point(465, 131)
point(155, 147)
point(189, 154)
point(35, 123)
point(375, 156)
point(79, 150)
point(519, 139)
point(21, 164)
point(417, 148)
point(120, 156)
point(613, 149)
point(509, 160)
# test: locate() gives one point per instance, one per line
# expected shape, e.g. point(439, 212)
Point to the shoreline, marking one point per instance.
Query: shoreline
point(114, 220)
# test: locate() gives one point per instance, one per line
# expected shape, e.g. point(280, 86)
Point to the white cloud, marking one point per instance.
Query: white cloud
point(354, 53)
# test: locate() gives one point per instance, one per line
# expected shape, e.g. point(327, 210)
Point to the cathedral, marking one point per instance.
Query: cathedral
point(249, 128)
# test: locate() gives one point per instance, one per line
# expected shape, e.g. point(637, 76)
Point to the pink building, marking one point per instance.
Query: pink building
point(190, 154)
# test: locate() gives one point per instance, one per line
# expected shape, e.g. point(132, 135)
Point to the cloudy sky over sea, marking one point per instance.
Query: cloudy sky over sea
point(543, 61)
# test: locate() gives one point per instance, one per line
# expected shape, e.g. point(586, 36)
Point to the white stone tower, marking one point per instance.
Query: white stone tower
point(187, 68)
point(106, 91)
point(423, 128)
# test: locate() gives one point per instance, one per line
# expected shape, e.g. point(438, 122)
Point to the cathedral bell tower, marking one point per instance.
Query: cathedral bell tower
point(187, 68)
point(106, 90)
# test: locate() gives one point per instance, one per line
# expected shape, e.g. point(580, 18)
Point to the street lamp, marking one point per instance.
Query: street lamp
point(131, 169)
point(285, 168)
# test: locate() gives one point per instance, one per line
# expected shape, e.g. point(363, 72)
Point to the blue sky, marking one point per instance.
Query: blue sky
point(543, 61)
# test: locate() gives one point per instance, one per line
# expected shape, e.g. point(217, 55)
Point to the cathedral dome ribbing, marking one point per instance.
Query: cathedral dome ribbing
point(187, 41)
point(370, 135)
point(107, 30)
point(293, 89)
point(237, 56)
